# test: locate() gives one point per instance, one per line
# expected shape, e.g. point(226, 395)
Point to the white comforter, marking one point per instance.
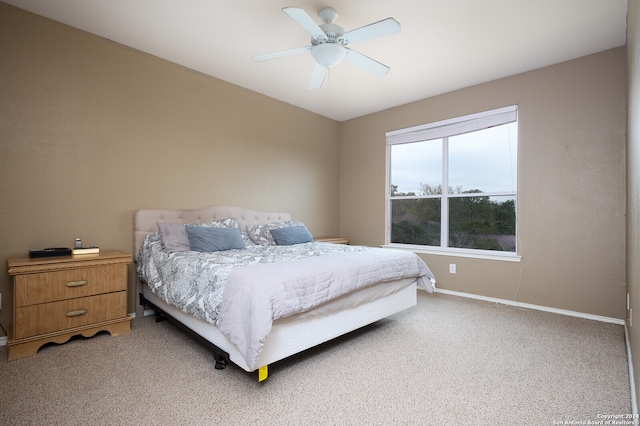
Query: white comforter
point(255, 296)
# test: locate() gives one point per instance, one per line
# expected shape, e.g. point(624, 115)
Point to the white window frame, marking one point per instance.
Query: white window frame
point(444, 129)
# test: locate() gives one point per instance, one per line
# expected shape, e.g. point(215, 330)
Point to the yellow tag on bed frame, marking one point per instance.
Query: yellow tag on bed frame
point(263, 372)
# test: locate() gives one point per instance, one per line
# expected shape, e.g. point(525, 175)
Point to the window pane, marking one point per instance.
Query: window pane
point(486, 223)
point(416, 221)
point(416, 166)
point(484, 160)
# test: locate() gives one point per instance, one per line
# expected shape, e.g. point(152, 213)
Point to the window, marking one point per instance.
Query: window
point(452, 185)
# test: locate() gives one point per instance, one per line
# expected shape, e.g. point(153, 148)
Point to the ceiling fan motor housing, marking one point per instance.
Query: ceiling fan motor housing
point(329, 51)
point(334, 34)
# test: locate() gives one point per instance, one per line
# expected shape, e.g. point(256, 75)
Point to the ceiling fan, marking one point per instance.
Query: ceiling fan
point(330, 43)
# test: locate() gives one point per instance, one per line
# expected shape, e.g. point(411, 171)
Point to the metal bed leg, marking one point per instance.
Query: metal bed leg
point(221, 363)
point(159, 316)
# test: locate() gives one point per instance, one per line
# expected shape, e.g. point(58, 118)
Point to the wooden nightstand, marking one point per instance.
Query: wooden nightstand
point(55, 298)
point(332, 240)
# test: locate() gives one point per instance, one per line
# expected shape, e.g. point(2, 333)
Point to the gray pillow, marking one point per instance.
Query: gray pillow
point(291, 235)
point(174, 236)
point(206, 239)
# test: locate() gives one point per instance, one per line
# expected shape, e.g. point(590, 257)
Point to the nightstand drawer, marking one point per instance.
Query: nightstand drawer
point(32, 289)
point(49, 317)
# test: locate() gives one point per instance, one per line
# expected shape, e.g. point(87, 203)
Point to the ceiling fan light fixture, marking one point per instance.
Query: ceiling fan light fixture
point(328, 54)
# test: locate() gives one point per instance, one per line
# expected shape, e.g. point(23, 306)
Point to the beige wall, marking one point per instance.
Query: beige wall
point(91, 131)
point(571, 182)
point(633, 181)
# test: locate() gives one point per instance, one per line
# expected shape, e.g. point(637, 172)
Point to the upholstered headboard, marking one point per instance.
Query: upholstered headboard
point(144, 220)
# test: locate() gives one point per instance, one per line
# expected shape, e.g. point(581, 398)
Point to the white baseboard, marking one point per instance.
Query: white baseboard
point(146, 313)
point(632, 380)
point(3, 341)
point(536, 307)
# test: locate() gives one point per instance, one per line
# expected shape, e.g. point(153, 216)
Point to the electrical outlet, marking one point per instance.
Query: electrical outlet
point(452, 268)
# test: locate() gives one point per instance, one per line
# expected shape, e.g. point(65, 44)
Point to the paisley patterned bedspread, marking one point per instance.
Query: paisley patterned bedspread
point(194, 282)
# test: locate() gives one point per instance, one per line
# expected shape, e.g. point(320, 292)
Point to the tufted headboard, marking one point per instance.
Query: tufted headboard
point(144, 220)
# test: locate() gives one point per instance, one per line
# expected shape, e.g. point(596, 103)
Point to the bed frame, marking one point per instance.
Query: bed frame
point(286, 337)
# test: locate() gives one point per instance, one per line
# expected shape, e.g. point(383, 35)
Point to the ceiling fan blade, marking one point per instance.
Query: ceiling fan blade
point(367, 64)
point(378, 29)
point(305, 21)
point(317, 77)
point(267, 56)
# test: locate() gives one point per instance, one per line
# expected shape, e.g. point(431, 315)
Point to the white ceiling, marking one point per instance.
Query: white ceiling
point(444, 45)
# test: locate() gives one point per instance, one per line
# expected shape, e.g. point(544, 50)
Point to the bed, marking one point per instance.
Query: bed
point(281, 292)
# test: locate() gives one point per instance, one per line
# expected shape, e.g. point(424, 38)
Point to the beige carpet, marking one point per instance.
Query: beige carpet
point(448, 361)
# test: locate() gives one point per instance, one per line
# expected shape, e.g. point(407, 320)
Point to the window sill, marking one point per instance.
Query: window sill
point(475, 254)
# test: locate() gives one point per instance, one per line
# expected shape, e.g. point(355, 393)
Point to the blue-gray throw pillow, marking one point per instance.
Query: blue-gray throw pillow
point(214, 239)
point(291, 235)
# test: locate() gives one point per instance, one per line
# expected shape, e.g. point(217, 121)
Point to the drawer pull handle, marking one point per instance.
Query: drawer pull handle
point(76, 313)
point(77, 283)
